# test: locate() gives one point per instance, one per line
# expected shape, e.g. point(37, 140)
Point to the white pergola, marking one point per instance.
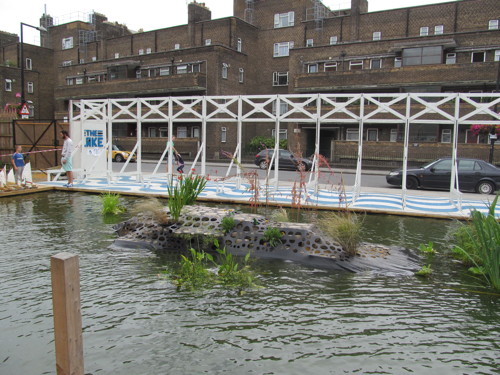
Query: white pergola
point(314, 110)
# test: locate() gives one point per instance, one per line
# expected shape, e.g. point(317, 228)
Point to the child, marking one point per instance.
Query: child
point(180, 163)
point(18, 165)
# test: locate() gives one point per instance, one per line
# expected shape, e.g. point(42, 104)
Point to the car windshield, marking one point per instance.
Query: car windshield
point(117, 148)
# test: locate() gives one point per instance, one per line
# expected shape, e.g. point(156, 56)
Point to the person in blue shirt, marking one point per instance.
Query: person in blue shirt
point(18, 165)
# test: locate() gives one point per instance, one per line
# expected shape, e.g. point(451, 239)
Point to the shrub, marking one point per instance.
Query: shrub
point(272, 235)
point(259, 143)
point(230, 273)
point(228, 223)
point(345, 228)
point(111, 203)
point(193, 273)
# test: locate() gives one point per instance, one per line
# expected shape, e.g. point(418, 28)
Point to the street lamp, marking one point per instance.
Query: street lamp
point(41, 28)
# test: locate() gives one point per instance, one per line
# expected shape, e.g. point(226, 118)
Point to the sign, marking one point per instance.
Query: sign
point(24, 112)
point(93, 138)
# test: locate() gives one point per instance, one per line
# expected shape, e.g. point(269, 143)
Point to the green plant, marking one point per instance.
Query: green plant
point(273, 236)
point(486, 240)
point(228, 223)
point(151, 207)
point(184, 193)
point(280, 215)
point(425, 271)
point(111, 203)
point(427, 248)
point(345, 228)
point(465, 238)
point(193, 273)
point(230, 273)
point(260, 143)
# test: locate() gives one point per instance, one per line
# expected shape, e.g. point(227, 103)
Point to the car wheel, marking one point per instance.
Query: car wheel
point(411, 183)
point(119, 158)
point(485, 187)
point(263, 164)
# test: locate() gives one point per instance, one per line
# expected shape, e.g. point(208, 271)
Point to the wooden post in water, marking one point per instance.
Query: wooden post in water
point(67, 314)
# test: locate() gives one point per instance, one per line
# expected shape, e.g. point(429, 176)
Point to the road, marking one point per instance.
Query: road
point(369, 178)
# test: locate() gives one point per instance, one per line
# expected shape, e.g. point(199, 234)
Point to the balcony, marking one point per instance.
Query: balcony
point(393, 78)
point(185, 84)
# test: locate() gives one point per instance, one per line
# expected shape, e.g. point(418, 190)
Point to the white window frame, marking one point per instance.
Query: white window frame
point(138, 73)
point(371, 63)
point(67, 43)
point(282, 49)
point(182, 132)
point(67, 63)
point(310, 43)
point(352, 135)
point(284, 20)
point(223, 134)
point(195, 132)
point(377, 35)
point(283, 133)
point(476, 52)
point(79, 81)
point(94, 58)
point(182, 69)
point(394, 135)
point(356, 63)
point(493, 25)
point(148, 51)
point(152, 132)
point(451, 58)
point(398, 62)
point(330, 65)
point(241, 75)
point(177, 46)
point(8, 85)
point(239, 45)
point(439, 30)
point(208, 42)
point(445, 135)
point(334, 40)
point(283, 108)
point(117, 55)
point(424, 31)
point(30, 87)
point(368, 131)
point(69, 81)
point(312, 68)
point(163, 132)
point(277, 76)
point(141, 51)
point(497, 55)
point(82, 61)
point(29, 64)
point(225, 68)
point(164, 71)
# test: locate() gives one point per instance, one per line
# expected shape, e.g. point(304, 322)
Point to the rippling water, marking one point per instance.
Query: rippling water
point(302, 321)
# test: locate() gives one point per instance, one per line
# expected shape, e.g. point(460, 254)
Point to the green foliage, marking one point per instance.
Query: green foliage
point(193, 273)
point(184, 193)
point(230, 273)
point(425, 271)
point(280, 215)
point(228, 223)
point(111, 203)
point(465, 238)
point(427, 248)
point(259, 143)
point(272, 235)
point(486, 242)
point(345, 228)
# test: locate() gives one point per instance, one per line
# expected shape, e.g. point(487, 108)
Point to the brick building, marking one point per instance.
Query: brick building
point(274, 47)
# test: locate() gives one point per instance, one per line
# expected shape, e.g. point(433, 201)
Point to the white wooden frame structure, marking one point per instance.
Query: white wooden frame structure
point(315, 109)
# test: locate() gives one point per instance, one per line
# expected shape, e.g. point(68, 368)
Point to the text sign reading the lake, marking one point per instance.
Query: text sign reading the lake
point(93, 138)
point(94, 146)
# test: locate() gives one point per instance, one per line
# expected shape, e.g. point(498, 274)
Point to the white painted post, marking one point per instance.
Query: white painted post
point(65, 274)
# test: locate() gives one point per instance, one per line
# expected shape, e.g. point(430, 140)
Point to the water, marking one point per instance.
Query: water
point(304, 320)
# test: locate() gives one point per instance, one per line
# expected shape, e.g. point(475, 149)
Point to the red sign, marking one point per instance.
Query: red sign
point(24, 110)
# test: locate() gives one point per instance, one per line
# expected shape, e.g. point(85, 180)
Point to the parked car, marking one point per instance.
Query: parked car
point(286, 160)
point(119, 154)
point(473, 175)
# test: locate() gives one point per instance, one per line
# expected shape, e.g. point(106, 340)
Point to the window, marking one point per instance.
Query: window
point(239, 44)
point(224, 70)
point(444, 165)
point(223, 134)
point(117, 55)
point(182, 132)
point(67, 63)
point(69, 81)
point(375, 63)
point(451, 58)
point(372, 135)
point(241, 75)
point(82, 61)
point(446, 136)
point(138, 73)
point(377, 35)
point(163, 132)
point(334, 40)
point(356, 65)
point(152, 132)
point(422, 56)
point(394, 135)
point(195, 68)
point(177, 46)
point(493, 25)
point(282, 49)
point(182, 69)
point(8, 85)
point(398, 62)
point(30, 87)
point(309, 42)
point(195, 132)
point(141, 52)
point(208, 42)
point(67, 43)
point(283, 134)
point(164, 71)
point(79, 81)
point(438, 29)
point(468, 166)
point(280, 79)
point(331, 67)
point(312, 68)
point(352, 135)
point(497, 55)
point(29, 64)
point(284, 19)
point(94, 58)
point(148, 50)
point(424, 31)
point(478, 57)
point(283, 108)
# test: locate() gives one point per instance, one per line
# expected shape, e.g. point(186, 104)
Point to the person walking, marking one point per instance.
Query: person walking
point(66, 157)
point(180, 163)
point(18, 165)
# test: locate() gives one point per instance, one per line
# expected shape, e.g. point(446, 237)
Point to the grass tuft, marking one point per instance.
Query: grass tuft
point(345, 228)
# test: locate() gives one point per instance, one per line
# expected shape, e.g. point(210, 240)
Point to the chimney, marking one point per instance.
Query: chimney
point(357, 7)
point(197, 12)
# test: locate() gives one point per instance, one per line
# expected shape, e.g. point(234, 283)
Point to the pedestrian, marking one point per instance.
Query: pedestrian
point(170, 144)
point(180, 163)
point(66, 157)
point(18, 165)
